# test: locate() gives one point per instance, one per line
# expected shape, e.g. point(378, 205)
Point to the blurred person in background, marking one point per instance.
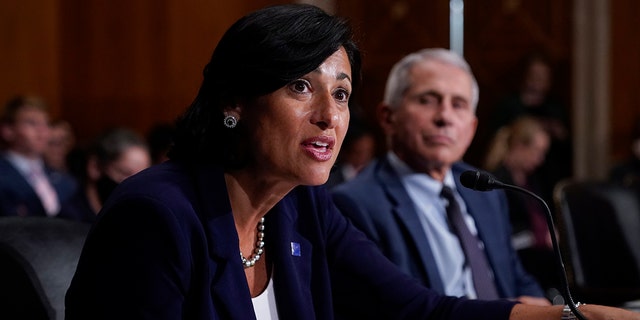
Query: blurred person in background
point(28, 186)
point(627, 172)
point(515, 153)
point(61, 142)
point(160, 139)
point(114, 156)
point(534, 97)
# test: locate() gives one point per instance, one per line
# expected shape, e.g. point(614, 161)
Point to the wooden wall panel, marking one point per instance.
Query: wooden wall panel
point(386, 32)
point(498, 34)
point(137, 63)
point(29, 49)
point(625, 76)
point(115, 62)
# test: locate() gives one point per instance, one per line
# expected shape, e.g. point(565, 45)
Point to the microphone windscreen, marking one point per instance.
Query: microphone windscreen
point(477, 180)
point(470, 178)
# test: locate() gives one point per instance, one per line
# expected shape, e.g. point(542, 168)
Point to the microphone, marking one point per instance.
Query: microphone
point(480, 181)
point(484, 181)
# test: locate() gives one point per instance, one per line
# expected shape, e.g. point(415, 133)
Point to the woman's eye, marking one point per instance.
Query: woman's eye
point(342, 95)
point(300, 86)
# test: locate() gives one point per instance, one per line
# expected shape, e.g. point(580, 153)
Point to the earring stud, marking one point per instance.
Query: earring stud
point(230, 121)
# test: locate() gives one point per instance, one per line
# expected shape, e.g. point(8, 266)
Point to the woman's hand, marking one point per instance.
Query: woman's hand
point(590, 311)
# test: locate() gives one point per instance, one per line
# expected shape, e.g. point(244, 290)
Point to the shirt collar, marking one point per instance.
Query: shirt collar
point(22, 163)
point(404, 171)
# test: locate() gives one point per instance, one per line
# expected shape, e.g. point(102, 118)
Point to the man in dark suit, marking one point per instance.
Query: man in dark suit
point(458, 244)
point(27, 186)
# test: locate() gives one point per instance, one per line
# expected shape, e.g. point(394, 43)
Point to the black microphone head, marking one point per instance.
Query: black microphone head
point(479, 180)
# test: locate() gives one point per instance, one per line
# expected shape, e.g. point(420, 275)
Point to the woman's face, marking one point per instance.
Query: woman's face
point(296, 132)
point(531, 156)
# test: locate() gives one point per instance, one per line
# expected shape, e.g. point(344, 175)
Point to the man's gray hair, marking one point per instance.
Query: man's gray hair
point(398, 81)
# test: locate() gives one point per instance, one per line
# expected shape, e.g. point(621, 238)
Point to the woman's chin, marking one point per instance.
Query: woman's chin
point(317, 179)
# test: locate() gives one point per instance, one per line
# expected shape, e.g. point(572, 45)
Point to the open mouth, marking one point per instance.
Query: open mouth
point(319, 148)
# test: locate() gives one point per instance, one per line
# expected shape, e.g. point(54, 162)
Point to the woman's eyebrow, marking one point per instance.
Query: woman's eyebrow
point(343, 76)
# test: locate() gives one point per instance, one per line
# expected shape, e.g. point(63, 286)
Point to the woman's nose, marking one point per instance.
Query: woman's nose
point(327, 114)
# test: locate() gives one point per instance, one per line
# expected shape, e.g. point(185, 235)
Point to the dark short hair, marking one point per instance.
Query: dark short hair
point(259, 54)
point(110, 145)
point(18, 103)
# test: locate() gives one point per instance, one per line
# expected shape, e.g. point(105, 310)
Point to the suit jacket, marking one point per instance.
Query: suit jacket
point(165, 247)
point(378, 204)
point(18, 198)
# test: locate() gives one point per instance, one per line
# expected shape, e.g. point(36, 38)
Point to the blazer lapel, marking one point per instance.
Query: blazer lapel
point(230, 291)
point(404, 209)
point(27, 203)
point(292, 262)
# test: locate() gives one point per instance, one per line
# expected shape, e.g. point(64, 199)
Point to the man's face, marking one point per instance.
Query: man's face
point(435, 123)
point(29, 133)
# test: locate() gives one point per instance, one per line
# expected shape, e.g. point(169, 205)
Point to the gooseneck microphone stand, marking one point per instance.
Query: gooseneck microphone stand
point(556, 248)
point(483, 181)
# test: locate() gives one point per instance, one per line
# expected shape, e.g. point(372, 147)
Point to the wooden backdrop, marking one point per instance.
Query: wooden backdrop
point(101, 63)
point(498, 34)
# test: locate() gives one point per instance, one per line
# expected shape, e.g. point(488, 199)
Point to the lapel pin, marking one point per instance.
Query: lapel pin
point(295, 249)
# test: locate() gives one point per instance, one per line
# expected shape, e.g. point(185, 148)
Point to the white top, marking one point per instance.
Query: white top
point(264, 305)
point(445, 246)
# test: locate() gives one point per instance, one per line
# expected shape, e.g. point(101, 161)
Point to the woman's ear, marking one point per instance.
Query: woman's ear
point(234, 111)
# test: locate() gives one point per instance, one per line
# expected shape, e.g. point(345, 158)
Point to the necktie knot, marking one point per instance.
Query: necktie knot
point(447, 193)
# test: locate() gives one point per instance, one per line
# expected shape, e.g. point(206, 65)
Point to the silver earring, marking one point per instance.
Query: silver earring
point(230, 121)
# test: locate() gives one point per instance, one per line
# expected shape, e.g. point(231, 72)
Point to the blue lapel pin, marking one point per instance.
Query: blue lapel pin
point(295, 249)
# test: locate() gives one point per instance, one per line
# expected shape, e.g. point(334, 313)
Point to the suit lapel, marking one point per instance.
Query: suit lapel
point(28, 202)
point(406, 213)
point(292, 261)
point(230, 291)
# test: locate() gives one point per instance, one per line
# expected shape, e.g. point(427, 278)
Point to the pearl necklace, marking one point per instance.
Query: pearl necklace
point(259, 248)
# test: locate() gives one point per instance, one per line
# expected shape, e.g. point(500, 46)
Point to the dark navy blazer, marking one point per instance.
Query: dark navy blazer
point(165, 247)
point(18, 198)
point(378, 204)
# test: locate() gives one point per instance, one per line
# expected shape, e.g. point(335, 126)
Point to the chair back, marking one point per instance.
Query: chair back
point(600, 232)
point(38, 257)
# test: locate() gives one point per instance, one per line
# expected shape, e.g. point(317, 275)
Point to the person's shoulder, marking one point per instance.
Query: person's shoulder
point(10, 176)
point(459, 167)
point(3, 160)
point(5, 165)
point(363, 181)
